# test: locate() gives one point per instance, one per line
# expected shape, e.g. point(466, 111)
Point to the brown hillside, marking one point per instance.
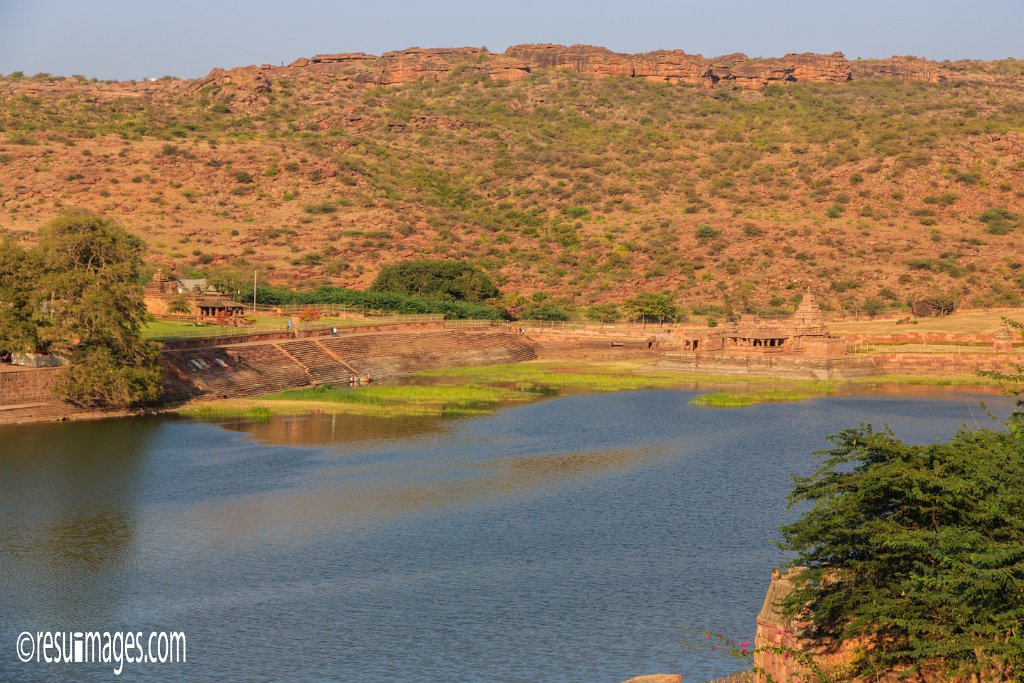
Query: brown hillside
point(573, 170)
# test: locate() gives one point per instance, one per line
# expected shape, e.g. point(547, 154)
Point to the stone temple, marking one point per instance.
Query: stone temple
point(202, 300)
point(804, 334)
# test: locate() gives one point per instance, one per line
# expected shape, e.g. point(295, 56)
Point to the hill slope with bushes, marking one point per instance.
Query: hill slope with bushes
point(587, 188)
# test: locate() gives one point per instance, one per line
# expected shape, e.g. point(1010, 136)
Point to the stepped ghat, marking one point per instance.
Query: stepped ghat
point(232, 370)
point(238, 370)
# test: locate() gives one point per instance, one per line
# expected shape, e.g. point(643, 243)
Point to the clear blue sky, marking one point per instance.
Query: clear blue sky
point(141, 38)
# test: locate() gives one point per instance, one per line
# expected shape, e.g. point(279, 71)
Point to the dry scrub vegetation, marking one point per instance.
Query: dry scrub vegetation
point(594, 189)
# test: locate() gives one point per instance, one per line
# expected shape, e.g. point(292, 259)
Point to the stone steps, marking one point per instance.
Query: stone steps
point(323, 368)
point(49, 411)
point(252, 369)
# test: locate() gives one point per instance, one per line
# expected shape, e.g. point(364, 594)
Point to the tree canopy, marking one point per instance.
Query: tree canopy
point(75, 294)
point(917, 550)
point(443, 279)
point(19, 303)
point(652, 307)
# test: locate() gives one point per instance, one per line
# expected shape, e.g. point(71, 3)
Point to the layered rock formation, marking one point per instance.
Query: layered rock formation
point(675, 66)
point(247, 86)
point(250, 88)
point(900, 69)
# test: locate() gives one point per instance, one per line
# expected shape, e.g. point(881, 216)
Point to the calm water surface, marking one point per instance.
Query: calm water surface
point(566, 540)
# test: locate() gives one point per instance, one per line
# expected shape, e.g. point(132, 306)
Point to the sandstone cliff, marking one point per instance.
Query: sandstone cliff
point(245, 85)
point(249, 88)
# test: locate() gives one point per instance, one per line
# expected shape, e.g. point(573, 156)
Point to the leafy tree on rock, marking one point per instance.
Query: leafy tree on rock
point(446, 279)
point(917, 551)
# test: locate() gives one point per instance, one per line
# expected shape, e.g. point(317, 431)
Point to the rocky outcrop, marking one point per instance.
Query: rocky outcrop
point(779, 637)
point(676, 66)
point(251, 88)
point(901, 69)
point(248, 87)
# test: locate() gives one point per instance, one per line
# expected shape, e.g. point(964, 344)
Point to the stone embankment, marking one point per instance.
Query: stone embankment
point(240, 370)
point(204, 369)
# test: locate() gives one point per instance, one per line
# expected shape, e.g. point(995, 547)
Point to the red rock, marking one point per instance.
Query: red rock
point(901, 69)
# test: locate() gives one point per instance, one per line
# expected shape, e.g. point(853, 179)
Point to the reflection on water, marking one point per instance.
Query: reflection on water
point(318, 428)
point(346, 495)
point(564, 540)
point(86, 542)
point(923, 390)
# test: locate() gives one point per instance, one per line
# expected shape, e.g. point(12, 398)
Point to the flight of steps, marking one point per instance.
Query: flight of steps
point(323, 367)
point(241, 371)
point(252, 369)
point(48, 411)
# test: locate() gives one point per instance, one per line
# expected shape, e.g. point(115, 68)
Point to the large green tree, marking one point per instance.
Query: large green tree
point(651, 307)
point(76, 295)
point(19, 299)
point(445, 279)
point(917, 550)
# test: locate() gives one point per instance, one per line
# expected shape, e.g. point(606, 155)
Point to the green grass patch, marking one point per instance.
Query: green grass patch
point(583, 375)
point(801, 391)
point(156, 330)
point(223, 411)
point(440, 399)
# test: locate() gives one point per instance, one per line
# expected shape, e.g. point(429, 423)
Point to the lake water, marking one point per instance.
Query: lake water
point(566, 540)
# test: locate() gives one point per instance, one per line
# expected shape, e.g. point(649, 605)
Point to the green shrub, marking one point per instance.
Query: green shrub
point(706, 232)
point(322, 208)
point(1000, 221)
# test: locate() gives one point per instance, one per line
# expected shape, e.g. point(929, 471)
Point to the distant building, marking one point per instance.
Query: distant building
point(189, 297)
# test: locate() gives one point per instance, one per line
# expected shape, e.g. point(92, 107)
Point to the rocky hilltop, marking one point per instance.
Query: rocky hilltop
point(249, 87)
point(519, 61)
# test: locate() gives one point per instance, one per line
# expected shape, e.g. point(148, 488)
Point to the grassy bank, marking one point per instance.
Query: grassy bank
point(382, 401)
point(475, 390)
point(800, 391)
